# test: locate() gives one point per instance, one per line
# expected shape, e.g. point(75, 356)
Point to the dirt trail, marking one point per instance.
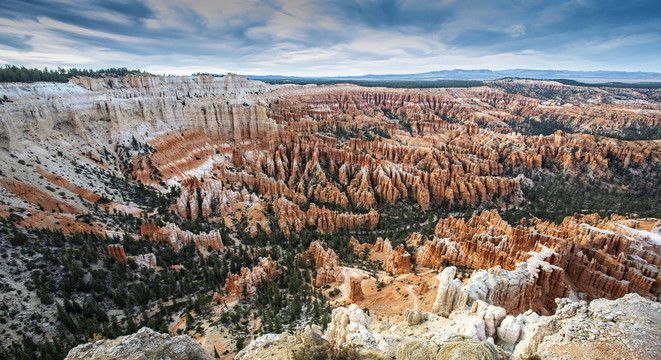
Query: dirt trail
point(416, 304)
point(345, 288)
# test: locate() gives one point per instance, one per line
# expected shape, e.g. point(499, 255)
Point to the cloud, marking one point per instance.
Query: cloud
point(316, 37)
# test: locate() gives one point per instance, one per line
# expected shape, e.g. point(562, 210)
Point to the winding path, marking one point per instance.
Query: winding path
point(345, 288)
point(416, 304)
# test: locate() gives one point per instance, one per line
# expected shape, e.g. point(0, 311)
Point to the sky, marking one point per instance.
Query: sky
point(331, 37)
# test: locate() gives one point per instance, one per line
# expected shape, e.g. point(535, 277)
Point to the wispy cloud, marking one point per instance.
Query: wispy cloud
point(318, 37)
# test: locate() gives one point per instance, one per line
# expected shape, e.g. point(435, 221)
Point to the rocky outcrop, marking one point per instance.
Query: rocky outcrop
point(423, 288)
point(146, 344)
point(603, 328)
point(321, 254)
point(117, 252)
point(292, 218)
point(282, 346)
point(453, 349)
point(145, 260)
point(397, 260)
point(210, 105)
point(356, 290)
point(414, 317)
point(350, 326)
point(448, 287)
point(325, 263)
point(530, 286)
point(176, 237)
point(595, 330)
point(592, 255)
point(268, 346)
point(526, 334)
point(248, 280)
point(211, 199)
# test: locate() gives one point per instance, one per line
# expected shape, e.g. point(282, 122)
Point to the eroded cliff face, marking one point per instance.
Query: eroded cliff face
point(177, 238)
point(325, 157)
point(91, 111)
point(540, 261)
point(269, 162)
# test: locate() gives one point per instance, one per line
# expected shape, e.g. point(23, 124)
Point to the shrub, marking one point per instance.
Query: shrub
point(326, 352)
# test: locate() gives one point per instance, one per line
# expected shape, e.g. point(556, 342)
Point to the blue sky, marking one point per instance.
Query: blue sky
point(332, 37)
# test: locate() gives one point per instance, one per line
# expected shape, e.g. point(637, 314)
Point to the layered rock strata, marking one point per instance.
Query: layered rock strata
point(594, 256)
point(171, 234)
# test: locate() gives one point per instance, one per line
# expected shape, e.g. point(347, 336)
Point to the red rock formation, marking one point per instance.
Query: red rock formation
point(423, 288)
point(325, 262)
point(358, 248)
point(397, 260)
point(415, 239)
point(292, 218)
point(356, 291)
point(285, 144)
point(176, 237)
point(248, 280)
point(37, 197)
point(217, 299)
point(117, 252)
point(592, 255)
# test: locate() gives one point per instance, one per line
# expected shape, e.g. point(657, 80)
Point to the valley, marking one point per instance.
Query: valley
point(518, 217)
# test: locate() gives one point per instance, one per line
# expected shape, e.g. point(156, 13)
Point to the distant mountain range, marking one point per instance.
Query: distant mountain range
point(459, 74)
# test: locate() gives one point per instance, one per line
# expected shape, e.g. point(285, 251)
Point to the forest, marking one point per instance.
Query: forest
point(12, 73)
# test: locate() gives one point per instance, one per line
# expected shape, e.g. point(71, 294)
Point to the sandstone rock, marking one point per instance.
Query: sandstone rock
point(589, 253)
point(176, 237)
point(247, 282)
point(146, 344)
point(397, 260)
point(292, 218)
point(310, 337)
point(356, 291)
point(414, 317)
point(349, 326)
point(216, 298)
point(471, 349)
point(417, 350)
point(601, 324)
point(456, 349)
point(145, 260)
point(423, 288)
point(117, 252)
point(448, 287)
point(509, 330)
point(325, 261)
point(268, 346)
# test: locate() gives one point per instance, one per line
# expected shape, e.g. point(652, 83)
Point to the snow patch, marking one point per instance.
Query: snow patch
point(649, 236)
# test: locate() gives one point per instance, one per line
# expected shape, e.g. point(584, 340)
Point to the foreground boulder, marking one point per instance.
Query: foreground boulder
point(627, 327)
point(146, 344)
point(350, 326)
point(461, 349)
